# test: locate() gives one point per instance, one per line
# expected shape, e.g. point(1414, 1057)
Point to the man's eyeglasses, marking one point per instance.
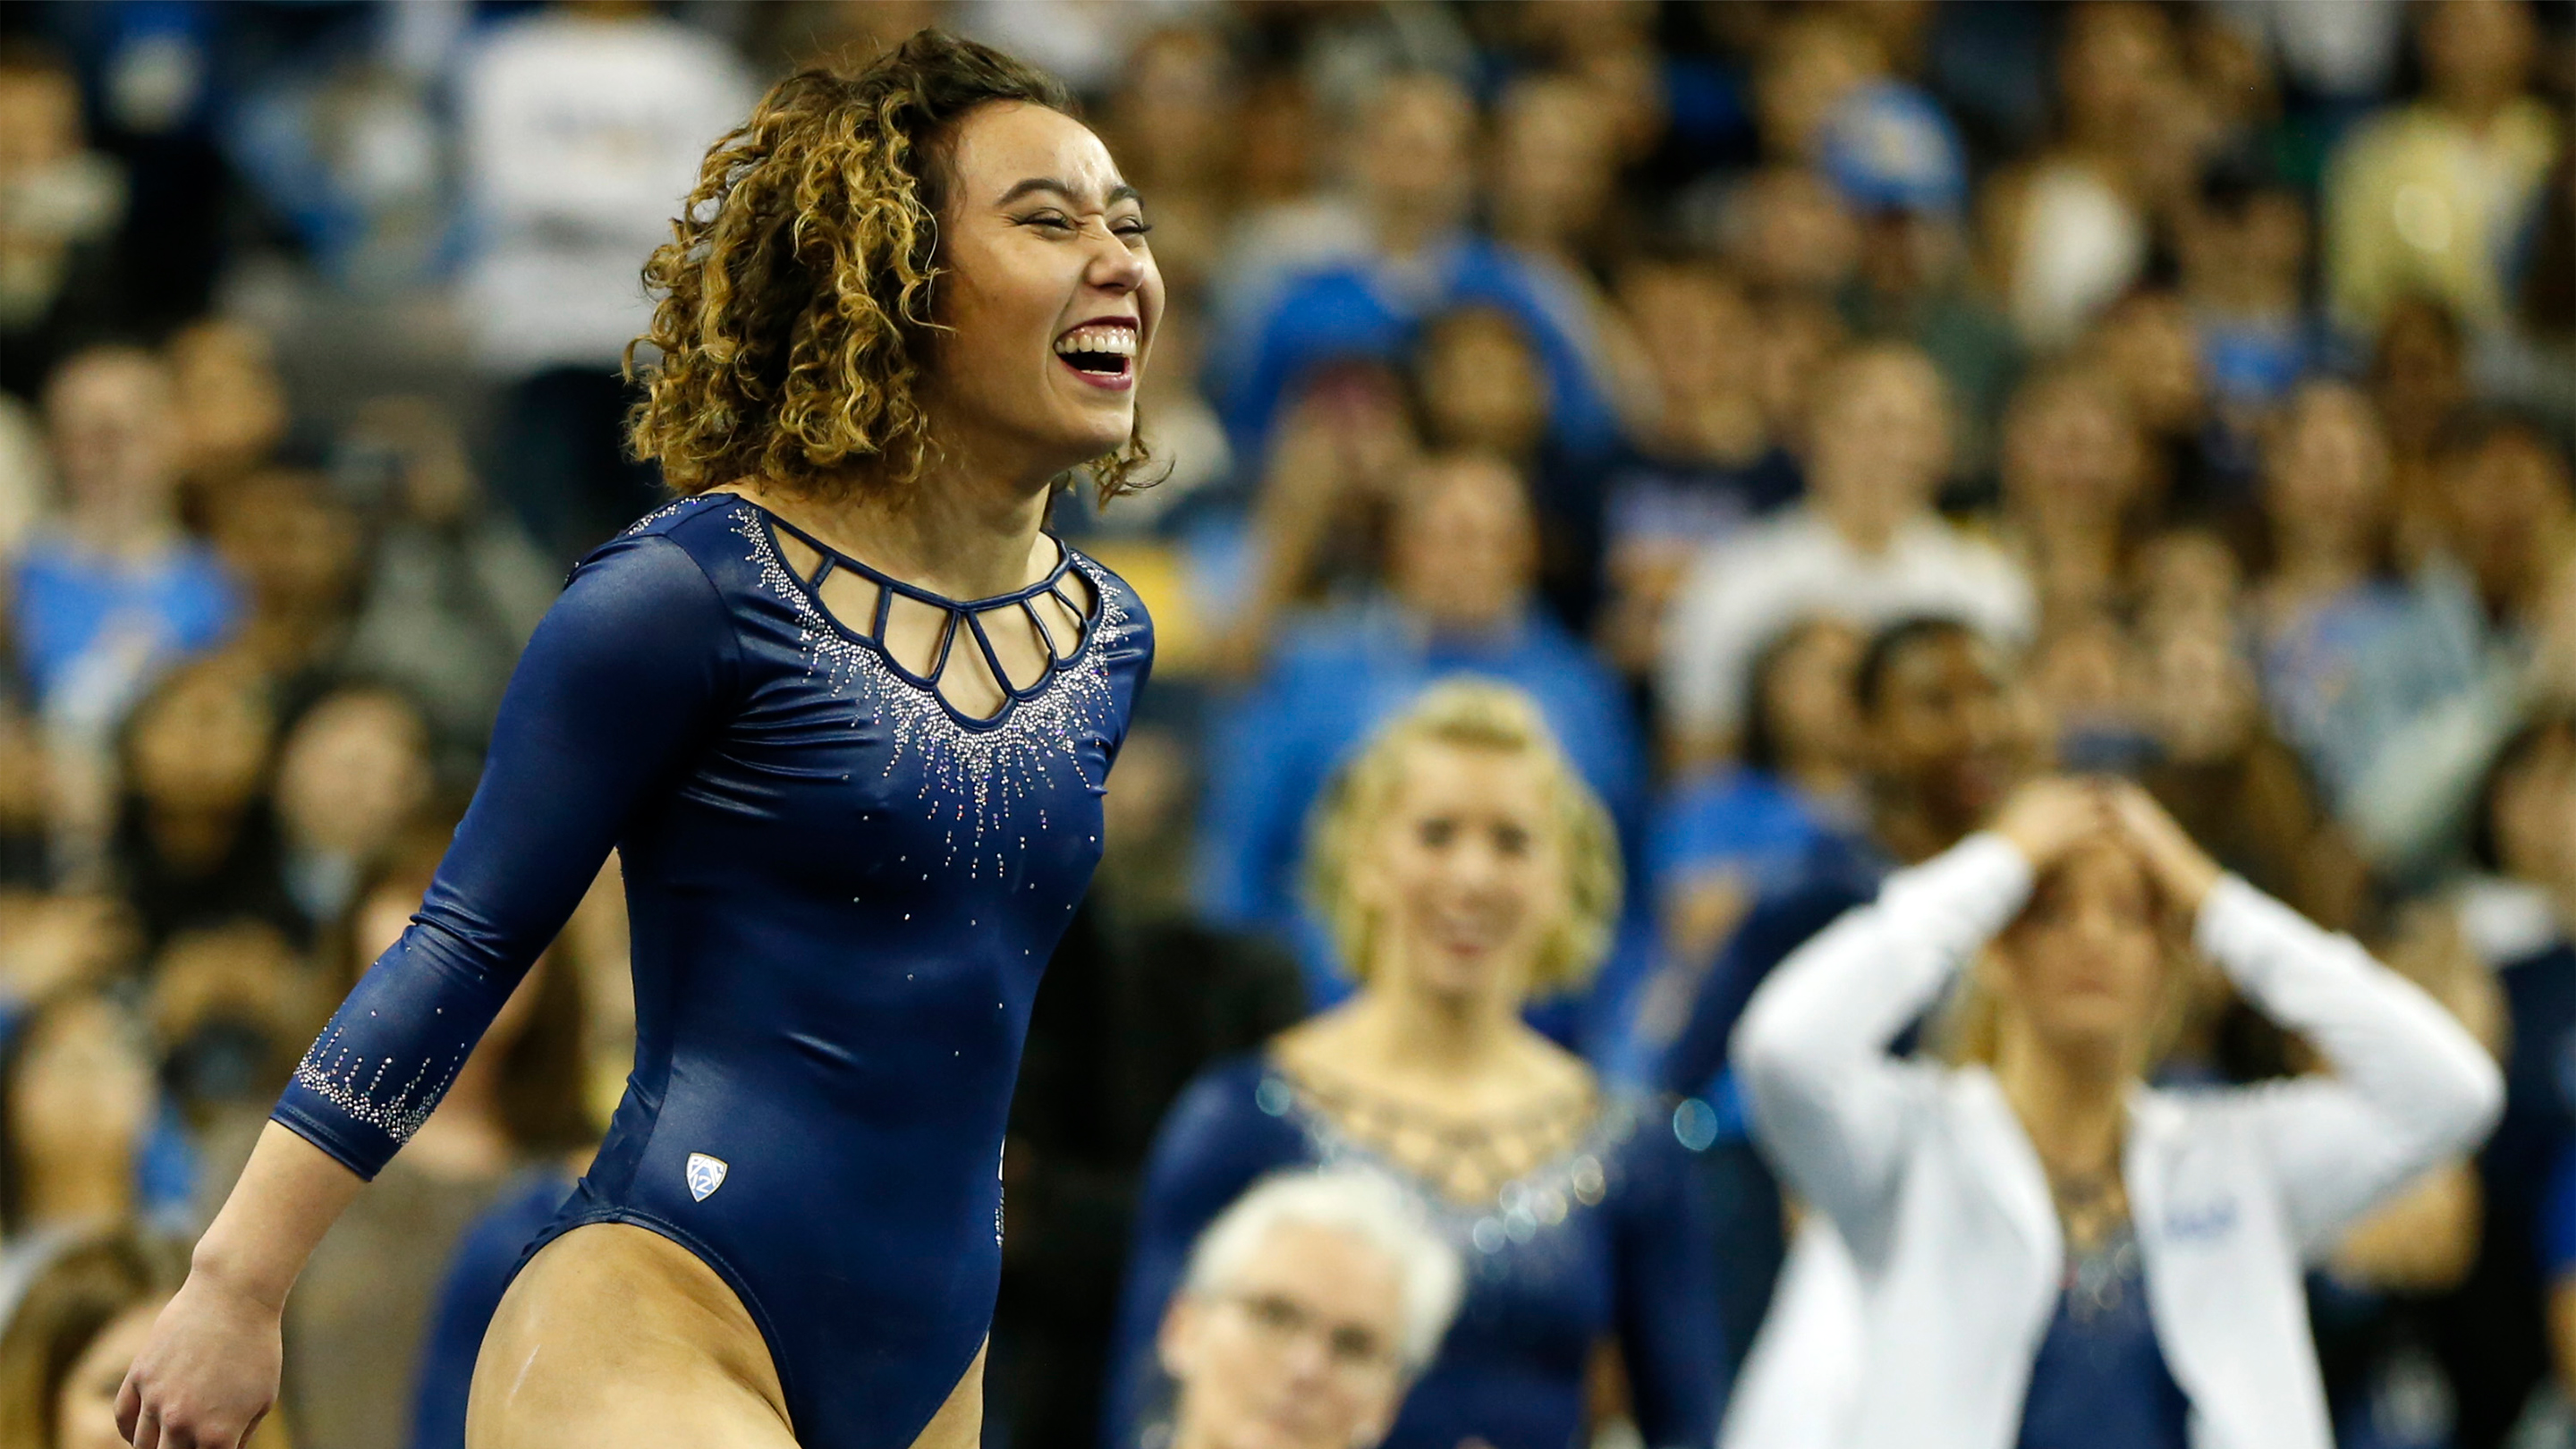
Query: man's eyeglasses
point(1350, 1348)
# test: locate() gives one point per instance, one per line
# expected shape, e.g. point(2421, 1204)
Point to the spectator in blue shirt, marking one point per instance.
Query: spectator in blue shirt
point(1459, 600)
point(112, 592)
point(2242, 239)
point(1416, 165)
point(1725, 839)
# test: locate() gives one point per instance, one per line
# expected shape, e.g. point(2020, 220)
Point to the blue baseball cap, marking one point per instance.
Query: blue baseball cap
point(1889, 147)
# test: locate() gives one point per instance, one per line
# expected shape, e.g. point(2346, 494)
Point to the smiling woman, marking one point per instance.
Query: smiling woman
point(817, 275)
point(1465, 865)
point(845, 712)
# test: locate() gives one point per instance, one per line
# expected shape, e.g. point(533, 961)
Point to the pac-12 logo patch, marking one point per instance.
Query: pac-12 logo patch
point(706, 1174)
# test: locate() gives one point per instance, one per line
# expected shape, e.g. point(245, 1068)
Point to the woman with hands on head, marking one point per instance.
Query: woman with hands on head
point(2056, 1253)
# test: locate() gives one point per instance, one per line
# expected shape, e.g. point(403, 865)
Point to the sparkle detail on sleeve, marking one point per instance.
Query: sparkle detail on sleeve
point(355, 1083)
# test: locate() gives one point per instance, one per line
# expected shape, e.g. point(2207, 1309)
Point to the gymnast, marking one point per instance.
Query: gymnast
point(844, 711)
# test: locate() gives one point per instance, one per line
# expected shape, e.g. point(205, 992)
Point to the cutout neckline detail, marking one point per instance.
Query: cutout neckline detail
point(961, 617)
point(1337, 1112)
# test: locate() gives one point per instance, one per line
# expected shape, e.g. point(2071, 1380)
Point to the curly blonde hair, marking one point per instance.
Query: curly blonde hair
point(1482, 715)
point(794, 300)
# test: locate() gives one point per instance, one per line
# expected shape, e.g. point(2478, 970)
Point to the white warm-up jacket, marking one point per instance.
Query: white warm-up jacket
point(1929, 1179)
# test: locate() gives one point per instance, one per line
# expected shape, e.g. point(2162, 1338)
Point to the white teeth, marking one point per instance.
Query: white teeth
point(1117, 341)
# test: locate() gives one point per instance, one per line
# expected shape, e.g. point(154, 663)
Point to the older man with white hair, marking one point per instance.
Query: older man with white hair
point(1309, 1307)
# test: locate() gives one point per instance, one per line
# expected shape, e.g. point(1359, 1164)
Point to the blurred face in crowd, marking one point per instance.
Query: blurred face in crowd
point(1051, 293)
point(1175, 107)
point(2246, 256)
point(2326, 475)
point(2082, 970)
point(1807, 694)
point(2114, 66)
point(1481, 384)
point(1299, 1351)
point(85, 1407)
point(2188, 577)
point(1175, 123)
point(1276, 152)
point(1798, 335)
point(2528, 809)
point(2419, 377)
point(200, 744)
point(1415, 164)
point(1698, 330)
point(232, 403)
point(229, 1004)
point(1880, 441)
point(62, 939)
point(2478, 53)
point(40, 119)
point(1553, 162)
point(294, 541)
point(353, 771)
point(115, 435)
point(418, 443)
point(1462, 548)
point(1813, 61)
point(80, 1096)
point(2148, 344)
point(1950, 731)
point(1792, 230)
point(2510, 512)
point(2072, 454)
point(1464, 873)
point(2203, 701)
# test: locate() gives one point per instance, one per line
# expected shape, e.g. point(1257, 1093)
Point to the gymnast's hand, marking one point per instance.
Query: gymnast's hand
point(209, 1373)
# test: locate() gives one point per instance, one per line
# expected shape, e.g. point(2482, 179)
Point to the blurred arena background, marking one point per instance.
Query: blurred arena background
point(2217, 359)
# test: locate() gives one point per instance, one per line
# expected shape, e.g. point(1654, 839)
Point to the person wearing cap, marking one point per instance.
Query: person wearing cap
point(1896, 160)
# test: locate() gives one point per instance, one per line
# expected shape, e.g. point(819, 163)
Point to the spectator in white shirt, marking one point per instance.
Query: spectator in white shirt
point(2043, 1249)
point(1865, 546)
point(583, 127)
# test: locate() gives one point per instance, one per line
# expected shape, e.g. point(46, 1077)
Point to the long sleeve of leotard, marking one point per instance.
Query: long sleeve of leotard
point(1666, 1271)
point(623, 681)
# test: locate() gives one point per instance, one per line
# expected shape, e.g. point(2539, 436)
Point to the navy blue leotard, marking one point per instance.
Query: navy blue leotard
point(842, 894)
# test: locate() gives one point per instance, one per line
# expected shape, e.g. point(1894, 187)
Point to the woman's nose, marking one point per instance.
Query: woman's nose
point(1115, 266)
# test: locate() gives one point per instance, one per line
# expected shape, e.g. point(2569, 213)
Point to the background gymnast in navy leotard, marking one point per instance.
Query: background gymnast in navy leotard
point(845, 715)
point(1465, 864)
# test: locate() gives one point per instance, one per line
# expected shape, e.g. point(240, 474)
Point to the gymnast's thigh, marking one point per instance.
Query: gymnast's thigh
point(615, 1337)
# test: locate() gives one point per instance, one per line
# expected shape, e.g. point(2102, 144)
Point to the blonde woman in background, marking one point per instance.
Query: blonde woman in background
point(1464, 866)
point(2049, 1251)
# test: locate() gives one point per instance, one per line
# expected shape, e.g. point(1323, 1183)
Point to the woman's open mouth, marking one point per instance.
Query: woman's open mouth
point(1102, 354)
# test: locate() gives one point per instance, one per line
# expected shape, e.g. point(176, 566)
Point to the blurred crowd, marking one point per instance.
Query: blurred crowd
point(2209, 368)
